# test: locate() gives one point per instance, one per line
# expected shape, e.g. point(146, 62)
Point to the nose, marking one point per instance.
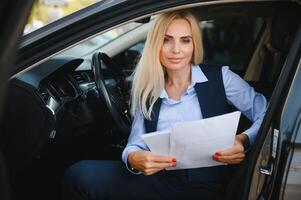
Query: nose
point(176, 47)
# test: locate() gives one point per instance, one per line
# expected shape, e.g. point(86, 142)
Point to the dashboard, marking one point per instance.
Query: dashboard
point(68, 90)
point(57, 82)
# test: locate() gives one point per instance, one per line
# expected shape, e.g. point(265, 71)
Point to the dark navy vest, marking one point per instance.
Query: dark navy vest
point(212, 99)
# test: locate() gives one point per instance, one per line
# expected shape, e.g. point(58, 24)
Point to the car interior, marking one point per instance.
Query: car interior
point(75, 106)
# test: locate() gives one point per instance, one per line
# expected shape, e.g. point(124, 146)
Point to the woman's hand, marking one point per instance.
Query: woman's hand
point(235, 154)
point(149, 163)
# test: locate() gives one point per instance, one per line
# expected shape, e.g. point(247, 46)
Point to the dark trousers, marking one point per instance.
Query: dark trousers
point(100, 179)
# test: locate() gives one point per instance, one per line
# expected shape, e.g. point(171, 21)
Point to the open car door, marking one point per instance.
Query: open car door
point(13, 16)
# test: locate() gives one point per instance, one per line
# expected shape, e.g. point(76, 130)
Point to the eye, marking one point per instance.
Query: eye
point(186, 40)
point(166, 39)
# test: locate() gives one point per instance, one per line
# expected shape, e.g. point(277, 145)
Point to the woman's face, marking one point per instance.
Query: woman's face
point(177, 49)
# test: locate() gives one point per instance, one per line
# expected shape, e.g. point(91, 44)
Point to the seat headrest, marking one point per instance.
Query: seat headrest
point(284, 26)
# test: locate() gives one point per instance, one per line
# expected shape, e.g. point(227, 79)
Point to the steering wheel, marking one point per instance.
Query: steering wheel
point(110, 84)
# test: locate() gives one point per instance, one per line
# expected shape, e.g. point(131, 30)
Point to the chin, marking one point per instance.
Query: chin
point(176, 66)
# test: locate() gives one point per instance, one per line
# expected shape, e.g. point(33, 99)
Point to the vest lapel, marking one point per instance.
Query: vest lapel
point(151, 125)
point(211, 94)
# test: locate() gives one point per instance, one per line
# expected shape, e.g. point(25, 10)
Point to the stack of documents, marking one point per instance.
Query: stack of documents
point(194, 143)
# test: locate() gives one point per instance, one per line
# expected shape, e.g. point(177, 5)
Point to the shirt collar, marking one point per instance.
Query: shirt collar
point(197, 76)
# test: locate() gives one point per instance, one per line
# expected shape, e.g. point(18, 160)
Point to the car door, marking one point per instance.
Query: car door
point(12, 19)
point(290, 184)
point(264, 174)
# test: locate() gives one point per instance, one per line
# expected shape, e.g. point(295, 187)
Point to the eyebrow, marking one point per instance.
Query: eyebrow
point(170, 36)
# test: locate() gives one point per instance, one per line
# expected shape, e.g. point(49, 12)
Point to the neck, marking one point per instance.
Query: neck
point(179, 78)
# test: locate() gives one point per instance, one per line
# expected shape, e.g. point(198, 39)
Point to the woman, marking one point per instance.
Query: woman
point(169, 86)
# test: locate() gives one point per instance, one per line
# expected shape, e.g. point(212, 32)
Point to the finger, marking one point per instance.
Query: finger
point(162, 165)
point(236, 161)
point(232, 157)
point(159, 158)
point(159, 165)
point(150, 171)
point(232, 150)
point(230, 160)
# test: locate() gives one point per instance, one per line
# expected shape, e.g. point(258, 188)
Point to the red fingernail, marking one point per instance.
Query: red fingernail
point(218, 154)
point(174, 160)
point(174, 164)
point(214, 158)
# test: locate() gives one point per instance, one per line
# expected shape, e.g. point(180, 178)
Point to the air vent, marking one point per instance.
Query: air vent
point(44, 94)
point(82, 77)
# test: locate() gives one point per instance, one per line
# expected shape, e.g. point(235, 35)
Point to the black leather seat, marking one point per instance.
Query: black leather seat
point(283, 29)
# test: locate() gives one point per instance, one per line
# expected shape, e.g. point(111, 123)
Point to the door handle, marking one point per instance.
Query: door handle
point(266, 171)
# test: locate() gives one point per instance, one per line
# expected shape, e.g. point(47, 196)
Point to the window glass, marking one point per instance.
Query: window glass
point(88, 47)
point(227, 41)
point(293, 182)
point(47, 11)
point(290, 124)
point(230, 41)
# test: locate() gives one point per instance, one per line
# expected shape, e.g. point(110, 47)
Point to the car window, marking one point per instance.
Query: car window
point(46, 11)
point(293, 182)
point(291, 124)
point(86, 48)
point(231, 41)
point(227, 41)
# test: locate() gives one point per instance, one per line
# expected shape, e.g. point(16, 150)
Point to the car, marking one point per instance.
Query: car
point(65, 96)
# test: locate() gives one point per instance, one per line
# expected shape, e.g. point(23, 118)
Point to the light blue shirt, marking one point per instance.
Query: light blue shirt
point(238, 92)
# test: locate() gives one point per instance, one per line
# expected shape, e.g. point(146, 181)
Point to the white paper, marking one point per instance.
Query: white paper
point(158, 142)
point(194, 143)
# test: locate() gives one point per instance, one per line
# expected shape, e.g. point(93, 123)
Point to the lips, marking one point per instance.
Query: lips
point(175, 60)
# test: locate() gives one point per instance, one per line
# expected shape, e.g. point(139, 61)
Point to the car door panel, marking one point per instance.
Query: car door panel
point(290, 126)
point(272, 183)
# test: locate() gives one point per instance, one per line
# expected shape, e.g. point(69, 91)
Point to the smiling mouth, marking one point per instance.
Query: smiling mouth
point(175, 60)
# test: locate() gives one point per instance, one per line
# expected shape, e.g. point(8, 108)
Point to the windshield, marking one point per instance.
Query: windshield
point(87, 47)
point(46, 11)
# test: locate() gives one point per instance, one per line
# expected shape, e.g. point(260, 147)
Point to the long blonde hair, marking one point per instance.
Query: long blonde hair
point(148, 78)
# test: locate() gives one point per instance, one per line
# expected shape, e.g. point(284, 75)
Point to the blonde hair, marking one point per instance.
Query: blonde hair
point(148, 78)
